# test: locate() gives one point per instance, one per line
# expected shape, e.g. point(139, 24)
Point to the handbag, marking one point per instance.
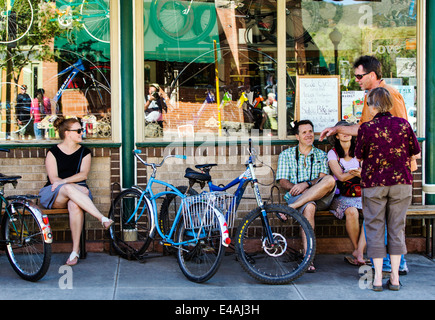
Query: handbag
point(348, 188)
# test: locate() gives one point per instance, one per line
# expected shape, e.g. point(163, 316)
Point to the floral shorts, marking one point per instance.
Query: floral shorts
point(341, 203)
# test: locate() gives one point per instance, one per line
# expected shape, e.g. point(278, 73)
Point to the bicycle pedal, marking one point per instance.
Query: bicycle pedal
point(166, 244)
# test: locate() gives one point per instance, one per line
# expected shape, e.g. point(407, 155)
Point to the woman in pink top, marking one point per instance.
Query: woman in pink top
point(40, 107)
point(345, 166)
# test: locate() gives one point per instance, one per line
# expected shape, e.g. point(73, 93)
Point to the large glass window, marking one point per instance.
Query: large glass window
point(215, 62)
point(54, 60)
point(324, 38)
point(215, 66)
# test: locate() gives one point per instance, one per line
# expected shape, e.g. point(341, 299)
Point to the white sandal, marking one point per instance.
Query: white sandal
point(106, 222)
point(73, 259)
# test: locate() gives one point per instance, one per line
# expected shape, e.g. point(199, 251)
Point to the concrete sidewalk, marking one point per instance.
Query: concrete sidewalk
point(105, 277)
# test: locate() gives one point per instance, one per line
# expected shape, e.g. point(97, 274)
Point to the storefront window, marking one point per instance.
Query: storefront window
point(324, 38)
point(215, 66)
point(54, 60)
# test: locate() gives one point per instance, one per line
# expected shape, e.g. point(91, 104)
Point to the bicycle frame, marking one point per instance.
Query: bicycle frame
point(243, 180)
point(75, 69)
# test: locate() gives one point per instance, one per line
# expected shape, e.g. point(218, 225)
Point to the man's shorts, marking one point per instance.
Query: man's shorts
point(321, 204)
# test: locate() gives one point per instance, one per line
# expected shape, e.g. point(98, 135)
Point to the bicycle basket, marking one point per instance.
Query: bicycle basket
point(198, 210)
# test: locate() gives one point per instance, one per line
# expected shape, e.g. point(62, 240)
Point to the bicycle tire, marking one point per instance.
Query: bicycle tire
point(283, 263)
point(130, 239)
point(95, 17)
point(168, 21)
point(200, 260)
point(26, 249)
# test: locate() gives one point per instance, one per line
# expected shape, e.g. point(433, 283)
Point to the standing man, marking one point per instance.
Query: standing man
point(368, 74)
point(303, 171)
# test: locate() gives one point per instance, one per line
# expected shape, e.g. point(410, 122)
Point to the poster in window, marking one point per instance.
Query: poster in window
point(318, 100)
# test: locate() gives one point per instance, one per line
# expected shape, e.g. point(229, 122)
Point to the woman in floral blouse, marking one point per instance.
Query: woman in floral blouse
point(385, 145)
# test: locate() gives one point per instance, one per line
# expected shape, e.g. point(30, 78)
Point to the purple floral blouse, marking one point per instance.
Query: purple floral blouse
point(385, 145)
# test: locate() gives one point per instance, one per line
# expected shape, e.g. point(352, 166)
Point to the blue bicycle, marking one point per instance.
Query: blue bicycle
point(199, 231)
point(274, 243)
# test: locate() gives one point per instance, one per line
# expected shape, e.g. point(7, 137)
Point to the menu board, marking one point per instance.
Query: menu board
point(318, 100)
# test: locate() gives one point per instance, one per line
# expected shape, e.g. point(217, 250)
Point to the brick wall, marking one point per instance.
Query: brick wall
point(29, 163)
point(331, 233)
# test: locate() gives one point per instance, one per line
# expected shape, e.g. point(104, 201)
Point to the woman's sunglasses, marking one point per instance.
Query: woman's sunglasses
point(360, 76)
point(79, 131)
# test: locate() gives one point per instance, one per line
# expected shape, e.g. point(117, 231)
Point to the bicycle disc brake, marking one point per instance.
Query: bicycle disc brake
point(277, 248)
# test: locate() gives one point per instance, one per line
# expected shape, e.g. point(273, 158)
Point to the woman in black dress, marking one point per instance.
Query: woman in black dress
point(68, 165)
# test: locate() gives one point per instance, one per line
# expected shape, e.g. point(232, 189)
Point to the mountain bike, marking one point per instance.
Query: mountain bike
point(199, 231)
point(269, 248)
point(25, 232)
point(96, 93)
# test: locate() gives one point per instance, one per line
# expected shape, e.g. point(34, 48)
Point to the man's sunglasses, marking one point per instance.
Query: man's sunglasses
point(79, 131)
point(360, 76)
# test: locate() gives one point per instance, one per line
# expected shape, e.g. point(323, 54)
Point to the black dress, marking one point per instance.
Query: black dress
point(67, 166)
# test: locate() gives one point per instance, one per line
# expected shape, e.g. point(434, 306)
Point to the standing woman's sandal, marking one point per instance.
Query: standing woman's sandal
point(106, 222)
point(73, 259)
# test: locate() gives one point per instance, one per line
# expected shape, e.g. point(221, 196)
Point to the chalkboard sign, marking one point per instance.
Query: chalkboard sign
point(318, 100)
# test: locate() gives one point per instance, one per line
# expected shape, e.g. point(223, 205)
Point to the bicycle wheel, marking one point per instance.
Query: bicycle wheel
point(15, 22)
point(199, 260)
point(130, 237)
point(27, 252)
point(171, 19)
point(285, 261)
point(95, 16)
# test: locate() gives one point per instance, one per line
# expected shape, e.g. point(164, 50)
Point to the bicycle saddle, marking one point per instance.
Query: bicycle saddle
point(192, 174)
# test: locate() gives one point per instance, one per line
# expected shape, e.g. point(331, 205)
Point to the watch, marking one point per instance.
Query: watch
point(310, 184)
